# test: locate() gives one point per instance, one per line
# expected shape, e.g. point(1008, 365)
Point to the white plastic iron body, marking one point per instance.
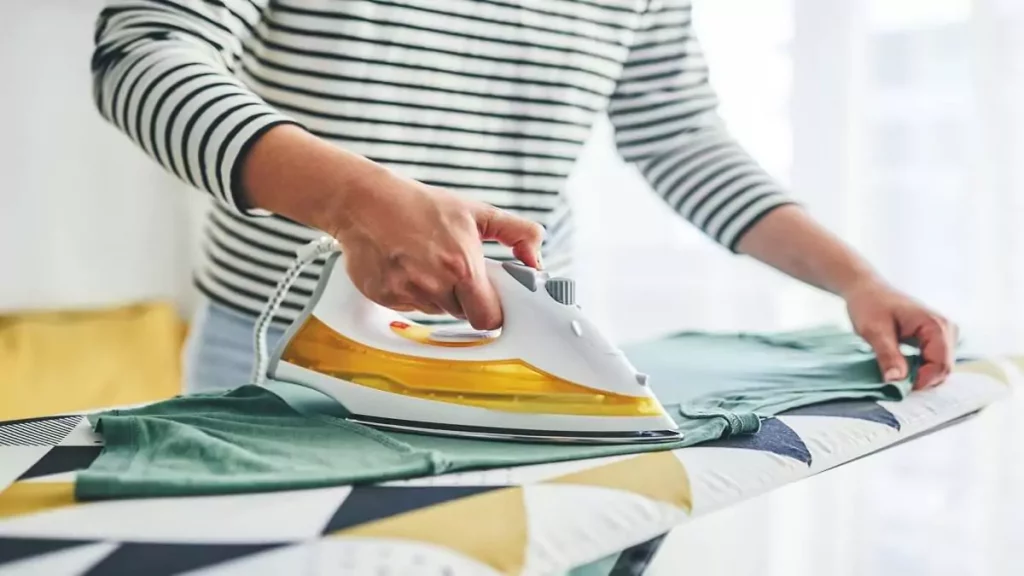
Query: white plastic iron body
point(549, 374)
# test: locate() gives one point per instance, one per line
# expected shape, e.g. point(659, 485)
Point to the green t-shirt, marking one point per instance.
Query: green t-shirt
point(256, 439)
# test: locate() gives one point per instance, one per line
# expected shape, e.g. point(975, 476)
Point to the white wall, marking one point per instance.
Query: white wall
point(85, 218)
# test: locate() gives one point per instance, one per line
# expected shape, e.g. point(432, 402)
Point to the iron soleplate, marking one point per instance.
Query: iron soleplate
point(519, 435)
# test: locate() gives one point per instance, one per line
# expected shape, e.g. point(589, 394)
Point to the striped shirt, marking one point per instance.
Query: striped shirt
point(492, 99)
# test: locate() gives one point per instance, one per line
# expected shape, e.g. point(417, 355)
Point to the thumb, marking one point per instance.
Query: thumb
point(883, 341)
point(521, 235)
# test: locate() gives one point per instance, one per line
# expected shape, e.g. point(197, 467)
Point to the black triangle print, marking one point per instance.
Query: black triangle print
point(636, 559)
point(154, 559)
point(774, 436)
point(368, 503)
point(63, 459)
point(860, 409)
point(13, 549)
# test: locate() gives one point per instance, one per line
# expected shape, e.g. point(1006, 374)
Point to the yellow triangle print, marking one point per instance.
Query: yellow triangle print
point(984, 367)
point(488, 527)
point(23, 498)
point(1018, 362)
point(659, 476)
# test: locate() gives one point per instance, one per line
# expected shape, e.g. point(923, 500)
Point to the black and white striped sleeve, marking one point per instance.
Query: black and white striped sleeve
point(163, 73)
point(664, 112)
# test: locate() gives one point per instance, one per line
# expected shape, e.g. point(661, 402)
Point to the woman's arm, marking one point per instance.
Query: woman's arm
point(666, 123)
point(163, 74)
point(665, 114)
point(789, 240)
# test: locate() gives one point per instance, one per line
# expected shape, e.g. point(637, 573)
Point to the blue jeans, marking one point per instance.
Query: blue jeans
point(218, 354)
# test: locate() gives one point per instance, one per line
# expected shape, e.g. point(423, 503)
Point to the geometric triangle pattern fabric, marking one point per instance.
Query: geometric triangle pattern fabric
point(986, 367)
point(23, 498)
point(720, 476)
point(489, 527)
point(15, 460)
point(636, 559)
point(266, 517)
point(352, 557)
point(496, 521)
point(63, 459)
point(864, 410)
point(47, 431)
point(658, 476)
point(1017, 361)
point(73, 560)
point(368, 503)
point(154, 559)
point(831, 440)
point(558, 542)
point(12, 549)
point(774, 436)
point(82, 435)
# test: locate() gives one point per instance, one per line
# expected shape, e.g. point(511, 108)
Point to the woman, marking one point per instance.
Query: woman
point(425, 135)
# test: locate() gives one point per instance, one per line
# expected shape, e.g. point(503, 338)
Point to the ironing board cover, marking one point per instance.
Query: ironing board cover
point(543, 519)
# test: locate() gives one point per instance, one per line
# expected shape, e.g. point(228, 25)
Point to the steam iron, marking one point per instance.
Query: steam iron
point(548, 374)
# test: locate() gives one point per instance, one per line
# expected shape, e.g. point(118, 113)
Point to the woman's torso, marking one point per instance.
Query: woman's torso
point(492, 99)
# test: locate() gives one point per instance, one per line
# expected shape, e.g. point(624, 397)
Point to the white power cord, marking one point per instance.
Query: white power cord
point(303, 256)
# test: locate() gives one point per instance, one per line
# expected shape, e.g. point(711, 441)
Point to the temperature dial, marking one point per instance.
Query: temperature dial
point(562, 290)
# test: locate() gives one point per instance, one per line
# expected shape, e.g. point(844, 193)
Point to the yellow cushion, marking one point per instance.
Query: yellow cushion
point(52, 362)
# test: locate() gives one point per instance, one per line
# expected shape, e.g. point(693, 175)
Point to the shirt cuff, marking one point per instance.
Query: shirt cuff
point(748, 217)
point(236, 146)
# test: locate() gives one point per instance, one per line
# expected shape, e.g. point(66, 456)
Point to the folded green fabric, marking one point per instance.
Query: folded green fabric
point(254, 439)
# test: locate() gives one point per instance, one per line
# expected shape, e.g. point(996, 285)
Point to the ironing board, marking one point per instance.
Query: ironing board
point(596, 516)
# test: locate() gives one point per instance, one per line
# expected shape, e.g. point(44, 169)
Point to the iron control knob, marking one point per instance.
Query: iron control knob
point(562, 290)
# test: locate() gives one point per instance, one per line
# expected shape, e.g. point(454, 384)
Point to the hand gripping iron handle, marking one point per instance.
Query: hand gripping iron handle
point(508, 279)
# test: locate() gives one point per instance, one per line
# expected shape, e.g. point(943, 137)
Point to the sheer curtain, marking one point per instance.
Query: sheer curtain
point(898, 124)
point(901, 126)
point(647, 272)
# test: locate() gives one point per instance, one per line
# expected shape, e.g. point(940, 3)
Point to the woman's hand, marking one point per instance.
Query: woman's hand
point(408, 246)
point(789, 240)
point(414, 247)
point(885, 317)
